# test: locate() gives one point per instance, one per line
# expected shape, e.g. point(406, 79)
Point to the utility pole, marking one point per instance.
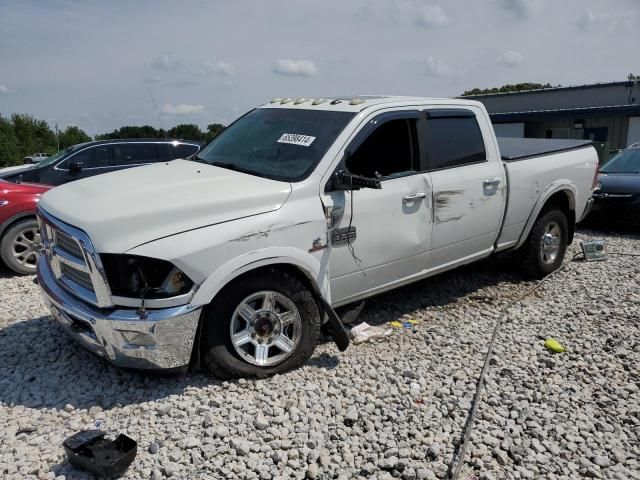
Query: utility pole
point(57, 137)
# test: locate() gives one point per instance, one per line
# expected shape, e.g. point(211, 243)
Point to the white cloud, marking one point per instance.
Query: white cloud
point(610, 21)
point(219, 68)
point(431, 16)
point(300, 68)
point(3, 89)
point(435, 67)
point(521, 8)
point(153, 79)
point(511, 58)
point(168, 62)
point(181, 109)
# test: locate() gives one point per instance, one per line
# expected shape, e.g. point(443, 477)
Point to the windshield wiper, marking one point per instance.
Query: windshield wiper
point(237, 168)
point(196, 158)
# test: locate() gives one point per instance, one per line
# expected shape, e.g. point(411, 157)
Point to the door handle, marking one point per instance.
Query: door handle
point(413, 197)
point(492, 182)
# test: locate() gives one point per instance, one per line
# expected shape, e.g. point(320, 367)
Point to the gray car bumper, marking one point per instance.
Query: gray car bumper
point(161, 339)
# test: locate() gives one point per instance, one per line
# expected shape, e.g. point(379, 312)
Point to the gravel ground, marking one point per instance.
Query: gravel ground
point(394, 407)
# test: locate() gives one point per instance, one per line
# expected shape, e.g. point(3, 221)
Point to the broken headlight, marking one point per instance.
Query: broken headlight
point(144, 277)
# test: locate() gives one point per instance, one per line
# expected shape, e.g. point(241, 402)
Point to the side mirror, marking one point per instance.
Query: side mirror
point(75, 167)
point(343, 180)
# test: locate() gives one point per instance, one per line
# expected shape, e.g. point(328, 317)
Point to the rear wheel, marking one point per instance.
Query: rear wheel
point(259, 325)
point(545, 247)
point(20, 245)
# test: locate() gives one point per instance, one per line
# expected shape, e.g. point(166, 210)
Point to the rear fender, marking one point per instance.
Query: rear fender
point(565, 186)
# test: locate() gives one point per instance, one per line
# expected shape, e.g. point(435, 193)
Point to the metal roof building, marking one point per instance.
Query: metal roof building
point(607, 113)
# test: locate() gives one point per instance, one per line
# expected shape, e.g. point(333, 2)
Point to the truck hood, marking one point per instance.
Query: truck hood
point(121, 210)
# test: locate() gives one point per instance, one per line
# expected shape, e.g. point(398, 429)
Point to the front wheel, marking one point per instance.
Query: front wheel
point(261, 324)
point(20, 245)
point(544, 249)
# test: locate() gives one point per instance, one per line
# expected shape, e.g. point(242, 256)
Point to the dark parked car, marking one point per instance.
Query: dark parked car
point(92, 158)
point(617, 195)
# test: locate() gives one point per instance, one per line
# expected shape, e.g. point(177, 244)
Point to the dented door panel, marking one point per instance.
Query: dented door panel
point(468, 202)
point(392, 235)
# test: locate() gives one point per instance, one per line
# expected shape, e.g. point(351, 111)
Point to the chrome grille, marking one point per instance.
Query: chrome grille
point(68, 244)
point(81, 278)
point(73, 260)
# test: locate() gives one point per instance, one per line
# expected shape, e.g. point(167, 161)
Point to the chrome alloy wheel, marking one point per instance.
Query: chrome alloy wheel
point(25, 247)
point(265, 328)
point(550, 242)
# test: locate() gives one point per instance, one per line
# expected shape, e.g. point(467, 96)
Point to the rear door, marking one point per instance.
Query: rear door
point(134, 154)
point(380, 237)
point(468, 185)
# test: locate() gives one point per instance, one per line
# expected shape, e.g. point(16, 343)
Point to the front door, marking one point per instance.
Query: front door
point(381, 236)
point(87, 162)
point(468, 187)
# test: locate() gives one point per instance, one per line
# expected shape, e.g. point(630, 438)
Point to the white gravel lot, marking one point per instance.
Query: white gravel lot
point(390, 408)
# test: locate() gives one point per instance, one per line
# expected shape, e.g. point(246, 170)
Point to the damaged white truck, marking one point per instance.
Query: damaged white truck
point(232, 260)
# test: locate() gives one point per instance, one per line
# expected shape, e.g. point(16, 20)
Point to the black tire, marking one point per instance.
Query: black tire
point(220, 356)
point(537, 262)
point(9, 247)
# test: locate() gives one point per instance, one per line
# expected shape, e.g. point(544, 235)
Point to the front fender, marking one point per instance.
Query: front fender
point(559, 186)
point(313, 265)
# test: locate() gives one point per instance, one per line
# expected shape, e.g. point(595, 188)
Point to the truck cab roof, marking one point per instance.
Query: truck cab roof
point(358, 103)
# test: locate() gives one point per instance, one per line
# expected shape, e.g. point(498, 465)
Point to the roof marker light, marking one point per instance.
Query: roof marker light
point(318, 101)
point(356, 101)
point(299, 101)
point(275, 100)
point(285, 101)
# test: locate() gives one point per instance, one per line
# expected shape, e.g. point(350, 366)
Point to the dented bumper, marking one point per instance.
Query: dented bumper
point(160, 339)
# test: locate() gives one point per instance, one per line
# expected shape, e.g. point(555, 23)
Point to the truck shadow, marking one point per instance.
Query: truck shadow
point(40, 367)
point(442, 290)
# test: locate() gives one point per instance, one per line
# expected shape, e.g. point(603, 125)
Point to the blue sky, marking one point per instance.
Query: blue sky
point(94, 63)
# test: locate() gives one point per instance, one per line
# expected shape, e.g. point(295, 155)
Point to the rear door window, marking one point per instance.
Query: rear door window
point(134, 153)
point(453, 138)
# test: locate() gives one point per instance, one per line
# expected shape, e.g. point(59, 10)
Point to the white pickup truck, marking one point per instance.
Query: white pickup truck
point(232, 260)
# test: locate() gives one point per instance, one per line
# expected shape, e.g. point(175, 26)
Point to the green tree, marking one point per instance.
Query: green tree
point(9, 146)
point(516, 87)
point(213, 130)
point(186, 131)
point(72, 135)
point(144, 131)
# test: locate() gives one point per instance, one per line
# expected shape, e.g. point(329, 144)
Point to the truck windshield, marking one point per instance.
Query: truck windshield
point(276, 143)
point(627, 161)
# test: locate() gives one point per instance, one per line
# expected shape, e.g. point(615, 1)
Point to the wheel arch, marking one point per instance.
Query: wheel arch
point(8, 223)
point(562, 196)
point(306, 267)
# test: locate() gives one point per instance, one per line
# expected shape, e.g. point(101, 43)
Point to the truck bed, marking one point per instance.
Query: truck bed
point(514, 149)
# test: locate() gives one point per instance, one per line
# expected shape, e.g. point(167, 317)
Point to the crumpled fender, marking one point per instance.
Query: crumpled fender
point(313, 265)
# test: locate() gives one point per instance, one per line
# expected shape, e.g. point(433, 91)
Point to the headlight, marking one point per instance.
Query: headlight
point(144, 277)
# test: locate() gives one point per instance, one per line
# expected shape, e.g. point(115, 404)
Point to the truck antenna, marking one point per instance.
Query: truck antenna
point(155, 109)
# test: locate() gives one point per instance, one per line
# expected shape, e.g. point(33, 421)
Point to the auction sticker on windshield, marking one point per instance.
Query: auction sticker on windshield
point(296, 139)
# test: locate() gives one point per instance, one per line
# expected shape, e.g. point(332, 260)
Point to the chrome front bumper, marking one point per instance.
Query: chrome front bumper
point(158, 340)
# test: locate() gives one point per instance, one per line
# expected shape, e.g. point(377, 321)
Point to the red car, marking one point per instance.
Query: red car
point(19, 237)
